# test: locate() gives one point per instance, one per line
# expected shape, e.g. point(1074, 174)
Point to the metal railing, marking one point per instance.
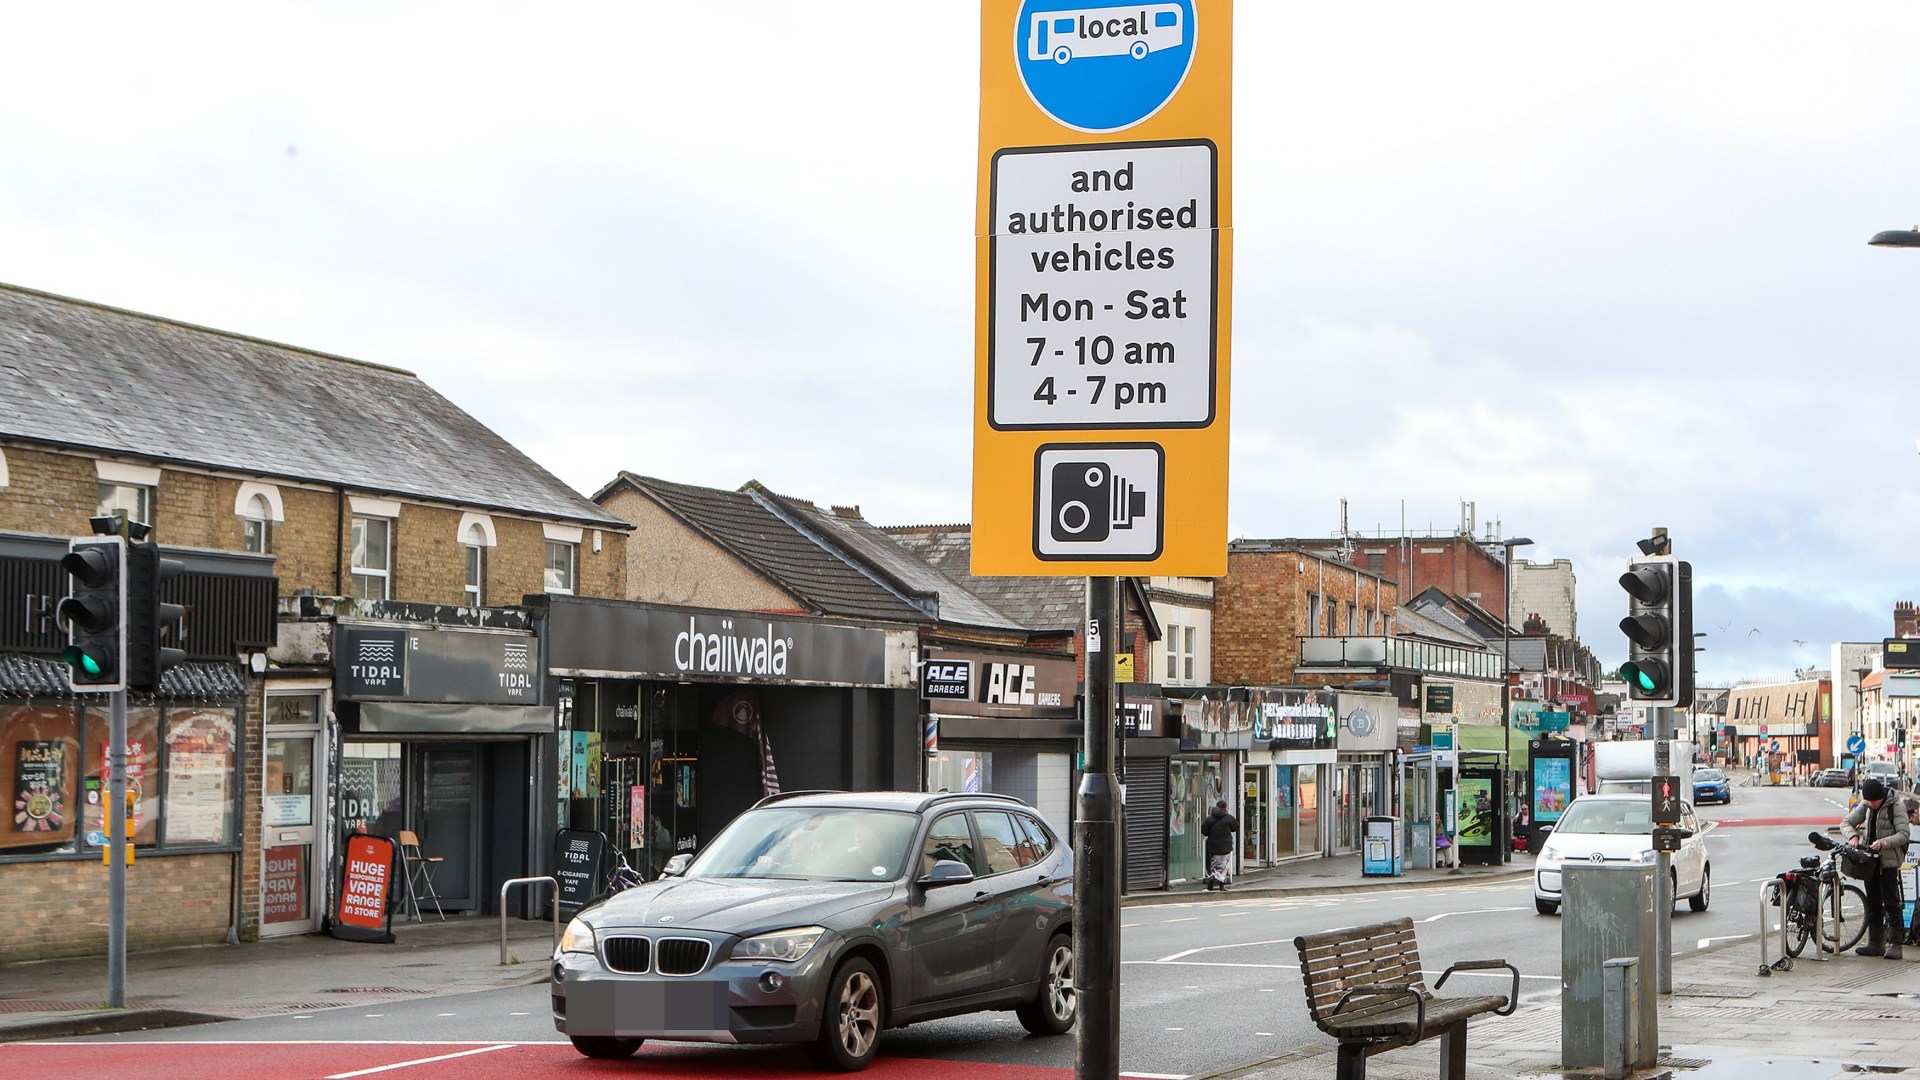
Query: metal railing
point(509, 884)
point(1778, 888)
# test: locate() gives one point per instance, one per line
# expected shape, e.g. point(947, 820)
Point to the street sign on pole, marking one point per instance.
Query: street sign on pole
point(1104, 253)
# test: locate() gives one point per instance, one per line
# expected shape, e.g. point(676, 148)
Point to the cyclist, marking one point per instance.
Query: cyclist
point(1879, 824)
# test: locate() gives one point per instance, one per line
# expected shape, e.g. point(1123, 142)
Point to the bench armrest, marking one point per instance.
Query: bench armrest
point(1392, 990)
point(1513, 999)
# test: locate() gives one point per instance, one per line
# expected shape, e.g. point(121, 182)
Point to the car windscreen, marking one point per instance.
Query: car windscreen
point(1612, 818)
point(820, 843)
point(1708, 776)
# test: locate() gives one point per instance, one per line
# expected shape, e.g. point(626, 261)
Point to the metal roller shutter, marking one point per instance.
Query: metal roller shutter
point(1146, 824)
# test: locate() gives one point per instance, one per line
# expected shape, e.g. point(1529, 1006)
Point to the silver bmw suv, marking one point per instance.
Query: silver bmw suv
point(825, 918)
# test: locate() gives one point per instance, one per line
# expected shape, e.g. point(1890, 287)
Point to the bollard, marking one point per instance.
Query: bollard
point(1620, 1019)
point(509, 884)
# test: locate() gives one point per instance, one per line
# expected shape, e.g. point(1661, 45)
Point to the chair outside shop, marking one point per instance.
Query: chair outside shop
point(420, 868)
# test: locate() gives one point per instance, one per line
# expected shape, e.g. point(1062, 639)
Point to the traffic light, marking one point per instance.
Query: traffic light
point(95, 611)
point(1659, 629)
point(149, 621)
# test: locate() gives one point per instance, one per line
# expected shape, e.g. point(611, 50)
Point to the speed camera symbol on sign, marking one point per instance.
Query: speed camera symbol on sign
point(1099, 501)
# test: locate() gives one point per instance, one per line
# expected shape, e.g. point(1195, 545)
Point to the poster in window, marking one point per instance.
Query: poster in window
point(40, 787)
point(199, 777)
point(1476, 812)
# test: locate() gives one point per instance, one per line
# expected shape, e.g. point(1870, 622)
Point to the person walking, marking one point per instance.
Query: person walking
point(1879, 824)
point(1219, 830)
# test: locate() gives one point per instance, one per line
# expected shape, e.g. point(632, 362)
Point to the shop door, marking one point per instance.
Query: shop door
point(290, 882)
point(1186, 849)
point(446, 799)
point(1253, 817)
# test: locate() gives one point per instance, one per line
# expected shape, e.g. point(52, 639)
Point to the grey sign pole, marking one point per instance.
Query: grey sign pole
point(115, 811)
point(1096, 855)
point(1663, 861)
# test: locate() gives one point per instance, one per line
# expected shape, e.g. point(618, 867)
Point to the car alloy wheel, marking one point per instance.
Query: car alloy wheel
point(850, 1030)
point(1056, 1003)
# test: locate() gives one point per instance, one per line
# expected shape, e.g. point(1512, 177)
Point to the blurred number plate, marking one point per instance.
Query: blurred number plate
point(652, 1008)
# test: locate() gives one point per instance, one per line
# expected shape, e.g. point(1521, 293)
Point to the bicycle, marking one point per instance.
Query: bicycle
point(1818, 900)
point(621, 876)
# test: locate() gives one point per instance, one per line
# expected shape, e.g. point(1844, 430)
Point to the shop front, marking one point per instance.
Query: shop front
point(1269, 752)
point(440, 734)
point(671, 721)
point(1005, 722)
point(1364, 772)
point(1150, 741)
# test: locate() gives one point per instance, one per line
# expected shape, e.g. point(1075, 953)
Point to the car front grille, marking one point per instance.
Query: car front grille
point(628, 955)
point(683, 956)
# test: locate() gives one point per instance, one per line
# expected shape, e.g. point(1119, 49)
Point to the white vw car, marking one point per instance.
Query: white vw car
point(1619, 829)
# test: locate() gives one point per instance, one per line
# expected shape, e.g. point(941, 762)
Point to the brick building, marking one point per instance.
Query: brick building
point(378, 513)
point(1276, 593)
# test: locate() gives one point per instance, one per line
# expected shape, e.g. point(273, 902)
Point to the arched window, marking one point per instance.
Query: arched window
point(475, 541)
point(257, 526)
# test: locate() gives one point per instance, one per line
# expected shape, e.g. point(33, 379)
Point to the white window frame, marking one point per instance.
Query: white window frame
point(571, 571)
point(256, 528)
point(383, 574)
point(1182, 664)
point(474, 546)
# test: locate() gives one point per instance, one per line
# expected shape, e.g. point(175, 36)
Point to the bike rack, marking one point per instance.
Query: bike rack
point(1778, 887)
point(509, 884)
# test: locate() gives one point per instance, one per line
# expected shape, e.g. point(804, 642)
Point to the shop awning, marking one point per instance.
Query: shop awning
point(438, 718)
point(1488, 736)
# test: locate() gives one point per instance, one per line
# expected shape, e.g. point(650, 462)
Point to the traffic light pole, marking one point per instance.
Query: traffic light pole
point(115, 810)
point(1096, 854)
point(1663, 877)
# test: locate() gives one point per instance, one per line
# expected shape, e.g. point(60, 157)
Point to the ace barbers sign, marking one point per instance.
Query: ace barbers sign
point(399, 663)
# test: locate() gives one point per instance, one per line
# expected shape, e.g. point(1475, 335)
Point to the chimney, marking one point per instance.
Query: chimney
point(1906, 621)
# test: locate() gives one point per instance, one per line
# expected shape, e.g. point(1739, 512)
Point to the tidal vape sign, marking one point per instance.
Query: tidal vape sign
point(389, 663)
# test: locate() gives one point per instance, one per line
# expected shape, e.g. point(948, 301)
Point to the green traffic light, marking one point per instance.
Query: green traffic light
point(1645, 680)
point(81, 660)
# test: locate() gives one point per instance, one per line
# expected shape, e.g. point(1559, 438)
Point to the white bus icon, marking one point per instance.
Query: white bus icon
point(1135, 32)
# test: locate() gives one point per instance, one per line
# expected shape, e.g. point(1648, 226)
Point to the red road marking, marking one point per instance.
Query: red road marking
point(460, 1061)
point(1829, 819)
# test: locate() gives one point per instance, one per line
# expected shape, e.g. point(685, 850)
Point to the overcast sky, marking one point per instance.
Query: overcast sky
point(714, 242)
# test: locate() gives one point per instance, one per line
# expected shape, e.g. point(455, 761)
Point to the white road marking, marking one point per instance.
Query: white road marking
point(1190, 918)
point(1470, 911)
point(421, 1061)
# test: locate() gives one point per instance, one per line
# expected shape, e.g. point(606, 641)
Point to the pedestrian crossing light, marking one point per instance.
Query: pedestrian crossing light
point(1659, 629)
point(94, 612)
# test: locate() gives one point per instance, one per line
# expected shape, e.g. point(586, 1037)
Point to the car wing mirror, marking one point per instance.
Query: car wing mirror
point(677, 866)
point(947, 872)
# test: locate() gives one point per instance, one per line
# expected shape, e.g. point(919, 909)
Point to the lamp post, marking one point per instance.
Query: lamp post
point(1506, 677)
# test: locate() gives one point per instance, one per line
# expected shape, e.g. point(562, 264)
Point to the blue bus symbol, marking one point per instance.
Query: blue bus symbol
point(1103, 67)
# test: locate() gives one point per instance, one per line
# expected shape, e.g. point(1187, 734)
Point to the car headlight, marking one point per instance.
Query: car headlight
point(1548, 854)
point(1641, 858)
point(781, 946)
point(578, 938)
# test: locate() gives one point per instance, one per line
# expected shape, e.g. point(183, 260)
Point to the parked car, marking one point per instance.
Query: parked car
point(1833, 778)
point(826, 918)
point(1887, 772)
point(1711, 785)
point(1619, 828)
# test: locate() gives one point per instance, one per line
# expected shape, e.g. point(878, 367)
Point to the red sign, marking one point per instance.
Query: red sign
point(365, 881)
point(283, 884)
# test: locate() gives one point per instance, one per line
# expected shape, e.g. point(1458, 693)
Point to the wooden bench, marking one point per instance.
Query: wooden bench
point(1365, 988)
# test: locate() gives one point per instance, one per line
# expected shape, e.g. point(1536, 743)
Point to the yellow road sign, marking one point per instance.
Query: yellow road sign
point(1103, 280)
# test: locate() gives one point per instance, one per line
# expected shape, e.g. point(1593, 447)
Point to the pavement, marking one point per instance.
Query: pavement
point(1815, 1021)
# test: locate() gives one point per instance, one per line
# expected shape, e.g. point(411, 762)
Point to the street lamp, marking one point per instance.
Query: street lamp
point(1506, 675)
point(1897, 238)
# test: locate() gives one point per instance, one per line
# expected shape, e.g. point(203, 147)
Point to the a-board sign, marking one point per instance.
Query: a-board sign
point(577, 860)
point(363, 911)
point(1103, 252)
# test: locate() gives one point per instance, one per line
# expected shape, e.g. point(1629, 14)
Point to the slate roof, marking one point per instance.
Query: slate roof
point(1041, 603)
point(740, 524)
point(1436, 624)
point(172, 392)
point(844, 528)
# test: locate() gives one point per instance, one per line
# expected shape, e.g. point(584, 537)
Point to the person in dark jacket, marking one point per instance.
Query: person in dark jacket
point(1880, 825)
point(1219, 830)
